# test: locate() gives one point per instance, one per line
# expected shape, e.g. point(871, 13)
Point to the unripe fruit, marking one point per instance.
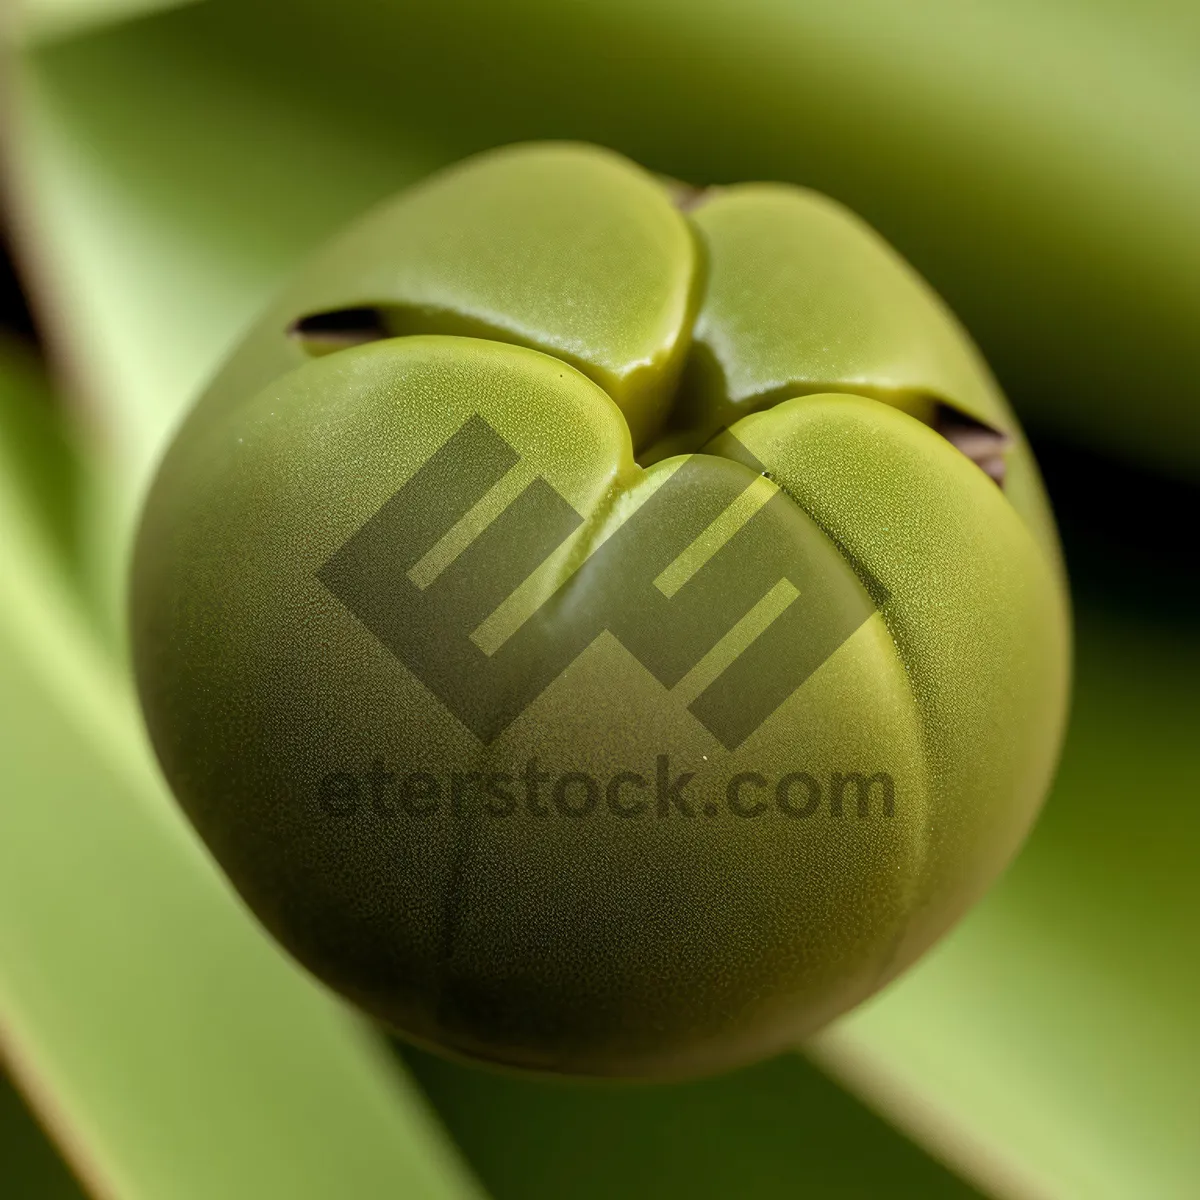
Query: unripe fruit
point(601, 635)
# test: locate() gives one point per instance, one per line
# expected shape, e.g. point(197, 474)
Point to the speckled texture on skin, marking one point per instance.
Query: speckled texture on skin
point(543, 924)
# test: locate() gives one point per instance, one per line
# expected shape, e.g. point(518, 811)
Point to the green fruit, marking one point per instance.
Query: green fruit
point(584, 621)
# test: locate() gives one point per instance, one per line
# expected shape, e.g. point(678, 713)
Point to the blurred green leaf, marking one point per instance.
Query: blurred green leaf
point(39, 454)
point(40, 21)
point(1040, 162)
point(62, 481)
point(162, 198)
point(29, 1167)
point(133, 215)
point(776, 1130)
point(169, 1044)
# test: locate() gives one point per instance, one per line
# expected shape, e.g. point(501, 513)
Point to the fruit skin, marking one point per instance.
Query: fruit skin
point(659, 944)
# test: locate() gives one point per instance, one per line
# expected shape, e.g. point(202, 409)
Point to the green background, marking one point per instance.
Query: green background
point(166, 167)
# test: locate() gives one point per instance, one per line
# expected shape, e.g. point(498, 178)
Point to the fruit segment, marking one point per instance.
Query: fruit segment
point(973, 605)
point(801, 296)
point(568, 249)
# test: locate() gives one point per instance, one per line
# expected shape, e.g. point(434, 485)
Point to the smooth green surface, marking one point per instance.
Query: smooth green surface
point(545, 943)
point(172, 1047)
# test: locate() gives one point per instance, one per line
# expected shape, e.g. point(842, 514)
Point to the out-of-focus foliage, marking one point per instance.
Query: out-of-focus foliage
point(780, 1129)
point(41, 456)
point(36, 22)
point(1041, 163)
point(30, 1167)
